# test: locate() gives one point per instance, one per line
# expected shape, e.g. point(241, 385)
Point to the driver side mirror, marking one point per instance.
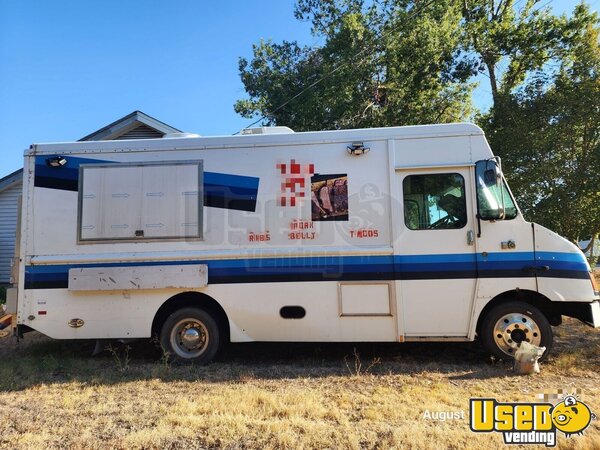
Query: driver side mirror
point(490, 189)
point(492, 177)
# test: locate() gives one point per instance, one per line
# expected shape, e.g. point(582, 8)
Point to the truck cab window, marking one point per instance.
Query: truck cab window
point(434, 202)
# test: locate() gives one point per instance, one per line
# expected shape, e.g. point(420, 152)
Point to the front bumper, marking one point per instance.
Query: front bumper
point(588, 313)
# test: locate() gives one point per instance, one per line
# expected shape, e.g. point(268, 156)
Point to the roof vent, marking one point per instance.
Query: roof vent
point(180, 135)
point(267, 130)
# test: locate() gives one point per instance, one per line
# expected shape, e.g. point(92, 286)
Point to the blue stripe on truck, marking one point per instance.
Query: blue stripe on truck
point(221, 190)
point(339, 268)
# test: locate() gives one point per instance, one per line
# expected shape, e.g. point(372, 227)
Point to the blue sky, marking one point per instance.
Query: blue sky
point(68, 68)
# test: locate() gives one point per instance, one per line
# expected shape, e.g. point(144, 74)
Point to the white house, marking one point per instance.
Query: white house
point(136, 125)
point(10, 193)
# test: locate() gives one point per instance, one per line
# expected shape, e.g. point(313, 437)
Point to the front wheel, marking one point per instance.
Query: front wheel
point(507, 325)
point(190, 335)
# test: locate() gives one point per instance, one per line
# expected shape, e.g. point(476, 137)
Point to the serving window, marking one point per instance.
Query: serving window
point(137, 201)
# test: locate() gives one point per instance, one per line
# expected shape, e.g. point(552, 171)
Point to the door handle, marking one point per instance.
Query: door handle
point(536, 269)
point(470, 237)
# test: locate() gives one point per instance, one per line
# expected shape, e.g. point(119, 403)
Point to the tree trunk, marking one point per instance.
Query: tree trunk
point(491, 66)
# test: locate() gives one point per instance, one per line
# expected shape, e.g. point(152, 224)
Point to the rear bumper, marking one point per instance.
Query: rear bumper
point(588, 313)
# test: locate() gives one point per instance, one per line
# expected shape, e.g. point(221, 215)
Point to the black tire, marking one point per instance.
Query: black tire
point(190, 335)
point(506, 325)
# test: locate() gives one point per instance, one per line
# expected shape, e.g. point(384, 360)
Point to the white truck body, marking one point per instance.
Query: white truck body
point(321, 224)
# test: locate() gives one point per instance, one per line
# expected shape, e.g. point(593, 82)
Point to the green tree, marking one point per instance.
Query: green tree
point(397, 62)
point(388, 63)
point(545, 126)
point(519, 41)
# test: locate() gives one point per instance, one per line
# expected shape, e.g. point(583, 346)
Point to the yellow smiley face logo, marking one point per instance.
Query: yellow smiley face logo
point(571, 416)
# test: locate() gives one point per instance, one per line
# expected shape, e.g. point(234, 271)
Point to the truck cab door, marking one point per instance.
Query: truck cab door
point(435, 251)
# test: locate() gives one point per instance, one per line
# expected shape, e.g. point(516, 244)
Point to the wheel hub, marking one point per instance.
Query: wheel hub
point(189, 338)
point(512, 329)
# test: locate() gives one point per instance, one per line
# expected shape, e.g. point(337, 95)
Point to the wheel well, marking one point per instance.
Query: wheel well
point(191, 299)
point(522, 295)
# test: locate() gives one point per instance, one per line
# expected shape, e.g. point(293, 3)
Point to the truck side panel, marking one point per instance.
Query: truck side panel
point(250, 240)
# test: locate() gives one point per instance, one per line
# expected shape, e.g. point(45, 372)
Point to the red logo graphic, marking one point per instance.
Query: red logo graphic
point(294, 181)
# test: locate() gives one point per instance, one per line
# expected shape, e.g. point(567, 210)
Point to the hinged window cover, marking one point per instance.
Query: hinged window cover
point(140, 201)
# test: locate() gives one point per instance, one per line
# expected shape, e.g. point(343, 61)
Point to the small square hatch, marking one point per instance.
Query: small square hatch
point(365, 299)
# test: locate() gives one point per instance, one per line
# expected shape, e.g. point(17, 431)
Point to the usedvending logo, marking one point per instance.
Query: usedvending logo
point(530, 423)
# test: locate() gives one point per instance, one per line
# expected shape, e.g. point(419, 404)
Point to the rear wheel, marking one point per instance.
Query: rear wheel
point(506, 325)
point(190, 335)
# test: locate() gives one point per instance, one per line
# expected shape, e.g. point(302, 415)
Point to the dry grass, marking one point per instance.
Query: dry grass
point(52, 395)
